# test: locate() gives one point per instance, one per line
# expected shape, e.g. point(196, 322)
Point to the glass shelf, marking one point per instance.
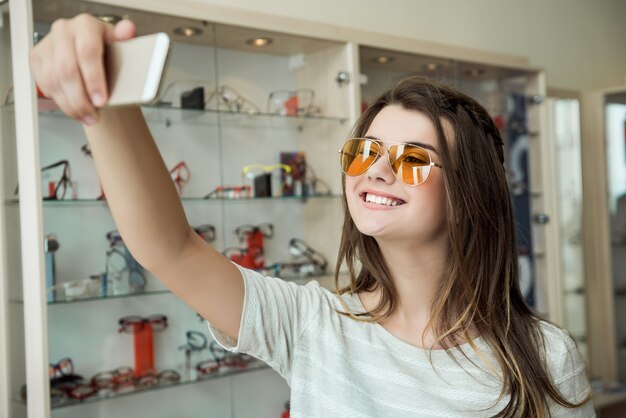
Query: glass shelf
point(156, 292)
point(77, 202)
point(173, 115)
point(252, 367)
point(105, 297)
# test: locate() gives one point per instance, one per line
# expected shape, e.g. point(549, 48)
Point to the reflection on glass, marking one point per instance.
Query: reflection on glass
point(615, 123)
point(566, 118)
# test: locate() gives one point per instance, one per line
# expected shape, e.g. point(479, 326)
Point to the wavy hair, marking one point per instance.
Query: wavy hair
point(479, 288)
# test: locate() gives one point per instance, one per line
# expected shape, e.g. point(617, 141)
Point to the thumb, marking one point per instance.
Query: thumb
point(125, 29)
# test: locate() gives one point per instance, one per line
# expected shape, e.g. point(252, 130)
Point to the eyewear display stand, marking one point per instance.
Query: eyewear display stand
point(144, 350)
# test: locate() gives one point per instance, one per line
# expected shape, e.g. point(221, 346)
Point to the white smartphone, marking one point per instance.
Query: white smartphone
point(135, 69)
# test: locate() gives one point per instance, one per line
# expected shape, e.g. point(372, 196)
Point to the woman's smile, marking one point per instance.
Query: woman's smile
point(377, 200)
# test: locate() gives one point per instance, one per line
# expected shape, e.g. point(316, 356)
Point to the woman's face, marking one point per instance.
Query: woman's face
point(420, 215)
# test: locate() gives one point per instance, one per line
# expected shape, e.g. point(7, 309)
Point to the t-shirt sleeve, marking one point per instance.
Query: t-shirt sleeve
point(275, 315)
point(570, 377)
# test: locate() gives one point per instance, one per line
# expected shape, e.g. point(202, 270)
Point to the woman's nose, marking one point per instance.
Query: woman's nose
point(381, 169)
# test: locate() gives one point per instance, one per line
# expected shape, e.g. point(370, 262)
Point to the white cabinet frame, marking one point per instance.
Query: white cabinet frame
point(31, 222)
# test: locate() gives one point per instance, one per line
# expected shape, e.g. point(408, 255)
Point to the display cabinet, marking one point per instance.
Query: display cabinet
point(243, 92)
point(602, 118)
point(242, 122)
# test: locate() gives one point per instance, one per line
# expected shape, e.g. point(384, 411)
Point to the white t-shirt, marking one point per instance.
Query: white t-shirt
point(338, 367)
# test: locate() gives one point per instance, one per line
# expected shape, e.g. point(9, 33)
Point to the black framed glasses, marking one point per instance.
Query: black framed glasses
point(58, 189)
point(61, 186)
point(410, 163)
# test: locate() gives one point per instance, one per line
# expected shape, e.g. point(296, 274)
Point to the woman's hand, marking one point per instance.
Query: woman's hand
point(68, 64)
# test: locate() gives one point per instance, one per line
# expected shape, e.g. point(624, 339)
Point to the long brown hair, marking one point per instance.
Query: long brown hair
point(479, 288)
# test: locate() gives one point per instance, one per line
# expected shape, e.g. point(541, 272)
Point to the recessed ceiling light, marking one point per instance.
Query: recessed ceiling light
point(383, 59)
point(262, 41)
point(112, 19)
point(431, 66)
point(188, 31)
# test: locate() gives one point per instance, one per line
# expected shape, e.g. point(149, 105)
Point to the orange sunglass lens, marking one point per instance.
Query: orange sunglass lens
point(410, 163)
point(357, 156)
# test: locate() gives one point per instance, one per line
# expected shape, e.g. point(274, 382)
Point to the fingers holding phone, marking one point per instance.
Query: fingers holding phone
point(68, 64)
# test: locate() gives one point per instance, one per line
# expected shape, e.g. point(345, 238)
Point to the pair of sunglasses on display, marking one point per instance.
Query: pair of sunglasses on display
point(58, 189)
point(196, 341)
point(135, 323)
point(410, 163)
point(113, 379)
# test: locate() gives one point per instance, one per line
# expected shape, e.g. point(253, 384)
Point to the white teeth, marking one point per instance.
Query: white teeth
point(380, 200)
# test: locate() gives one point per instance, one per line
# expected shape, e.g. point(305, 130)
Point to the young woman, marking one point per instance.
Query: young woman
point(433, 323)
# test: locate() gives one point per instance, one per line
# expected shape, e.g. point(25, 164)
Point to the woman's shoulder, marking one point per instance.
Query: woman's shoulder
point(563, 357)
point(567, 368)
point(557, 339)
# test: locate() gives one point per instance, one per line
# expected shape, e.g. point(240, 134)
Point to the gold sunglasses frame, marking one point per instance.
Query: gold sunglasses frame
point(379, 155)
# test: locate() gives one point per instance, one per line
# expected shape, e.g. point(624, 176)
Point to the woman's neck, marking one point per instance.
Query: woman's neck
point(416, 272)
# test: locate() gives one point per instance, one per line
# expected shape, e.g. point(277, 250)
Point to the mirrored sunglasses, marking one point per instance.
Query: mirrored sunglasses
point(410, 163)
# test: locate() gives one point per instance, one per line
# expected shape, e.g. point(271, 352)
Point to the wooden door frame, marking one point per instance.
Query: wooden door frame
point(596, 237)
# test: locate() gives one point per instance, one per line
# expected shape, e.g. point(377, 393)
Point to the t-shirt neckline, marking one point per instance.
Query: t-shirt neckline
point(405, 346)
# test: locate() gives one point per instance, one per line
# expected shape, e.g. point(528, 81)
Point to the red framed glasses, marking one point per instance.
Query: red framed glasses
point(181, 175)
point(132, 324)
